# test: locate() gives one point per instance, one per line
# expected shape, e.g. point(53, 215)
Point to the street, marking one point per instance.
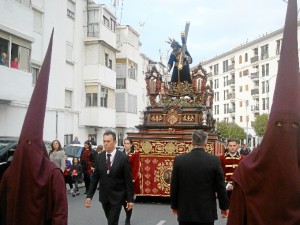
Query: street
point(145, 212)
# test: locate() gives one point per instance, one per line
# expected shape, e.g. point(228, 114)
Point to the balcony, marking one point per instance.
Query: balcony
point(231, 67)
point(255, 92)
point(255, 108)
point(254, 59)
point(231, 82)
point(15, 85)
point(93, 116)
point(254, 76)
point(231, 96)
point(231, 110)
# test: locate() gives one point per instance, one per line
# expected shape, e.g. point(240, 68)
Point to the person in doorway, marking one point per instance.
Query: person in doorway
point(197, 180)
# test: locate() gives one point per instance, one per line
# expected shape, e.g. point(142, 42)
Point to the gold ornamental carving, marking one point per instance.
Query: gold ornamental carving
point(147, 147)
point(156, 118)
point(172, 117)
point(162, 175)
point(170, 148)
point(188, 118)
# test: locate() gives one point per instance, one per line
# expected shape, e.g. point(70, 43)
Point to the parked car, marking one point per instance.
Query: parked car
point(74, 150)
point(8, 146)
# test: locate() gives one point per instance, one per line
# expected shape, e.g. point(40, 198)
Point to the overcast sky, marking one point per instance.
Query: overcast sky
point(216, 26)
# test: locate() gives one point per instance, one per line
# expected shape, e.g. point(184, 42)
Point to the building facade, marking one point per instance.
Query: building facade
point(243, 80)
point(83, 94)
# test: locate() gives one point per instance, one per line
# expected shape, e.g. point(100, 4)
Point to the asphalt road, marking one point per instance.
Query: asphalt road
point(147, 211)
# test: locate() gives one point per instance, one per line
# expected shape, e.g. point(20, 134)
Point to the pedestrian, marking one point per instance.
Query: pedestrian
point(77, 175)
point(112, 171)
point(76, 141)
point(87, 160)
point(267, 181)
point(230, 161)
point(134, 159)
point(244, 150)
point(197, 178)
point(57, 155)
point(99, 149)
point(32, 188)
point(67, 174)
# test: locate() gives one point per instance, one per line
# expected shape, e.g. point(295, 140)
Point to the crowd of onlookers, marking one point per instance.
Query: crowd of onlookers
point(13, 64)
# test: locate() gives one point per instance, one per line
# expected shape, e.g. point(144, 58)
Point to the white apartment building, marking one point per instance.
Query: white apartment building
point(243, 80)
point(82, 95)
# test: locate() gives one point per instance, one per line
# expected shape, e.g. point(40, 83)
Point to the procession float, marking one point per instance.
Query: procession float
point(176, 110)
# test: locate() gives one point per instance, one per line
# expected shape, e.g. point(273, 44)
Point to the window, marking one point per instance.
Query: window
point(263, 70)
point(93, 24)
point(132, 73)
point(112, 25)
point(216, 85)
point(106, 60)
point(267, 104)
point(245, 72)
point(105, 22)
point(225, 66)
point(68, 99)
point(19, 48)
point(267, 87)
point(264, 104)
point(91, 95)
point(35, 73)
point(26, 3)
point(240, 59)
point(241, 74)
point(216, 111)
point(37, 21)
point(103, 99)
point(225, 81)
point(241, 104)
point(110, 63)
point(216, 69)
point(71, 9)
point(246, 57)
point(263, 87)
point(267, 69)
point(246, 87)
point(241, 88)
point(132, 103)
point(278, 46)
point(121, 83)
point(69, 52)
point(68, 138)
point(241, 118)
point(264, 52)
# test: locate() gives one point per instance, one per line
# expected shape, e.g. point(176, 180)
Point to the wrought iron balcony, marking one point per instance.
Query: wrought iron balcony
point(254, 59)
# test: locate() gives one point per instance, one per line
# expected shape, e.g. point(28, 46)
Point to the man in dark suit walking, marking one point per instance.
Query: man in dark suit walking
point(197, 177)
point(112, 171)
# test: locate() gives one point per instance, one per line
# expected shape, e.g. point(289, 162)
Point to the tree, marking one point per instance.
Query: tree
point(231, 130)
point(260, 124)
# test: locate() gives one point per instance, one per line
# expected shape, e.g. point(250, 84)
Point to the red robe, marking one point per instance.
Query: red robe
point(134, 159)
point(229, 164)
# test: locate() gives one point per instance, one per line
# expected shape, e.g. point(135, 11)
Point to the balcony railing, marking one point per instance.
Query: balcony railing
point(255, 108)
point(231, 67)
point(231, 82)
point(254, 75)
point(254, 91)
point(231, 110)
point(254, 59)
point(231, 96)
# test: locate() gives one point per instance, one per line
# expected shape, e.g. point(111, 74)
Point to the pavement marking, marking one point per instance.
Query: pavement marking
point(161, 222)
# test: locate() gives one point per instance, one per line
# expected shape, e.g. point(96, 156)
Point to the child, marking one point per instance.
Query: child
point(77, 175)
point(67, 174)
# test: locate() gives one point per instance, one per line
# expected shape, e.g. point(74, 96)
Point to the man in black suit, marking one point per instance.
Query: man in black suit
point(197, 177)
point(112, 170)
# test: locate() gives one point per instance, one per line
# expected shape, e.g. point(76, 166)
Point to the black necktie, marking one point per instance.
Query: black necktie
point(108, 162)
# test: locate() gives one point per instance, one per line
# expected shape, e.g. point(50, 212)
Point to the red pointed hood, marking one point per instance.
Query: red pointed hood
point(27, 176)
point(270, 175)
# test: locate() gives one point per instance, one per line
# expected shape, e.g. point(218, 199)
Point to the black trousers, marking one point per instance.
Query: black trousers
point(112, 213)
point(87, 181)
point(193, 223)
